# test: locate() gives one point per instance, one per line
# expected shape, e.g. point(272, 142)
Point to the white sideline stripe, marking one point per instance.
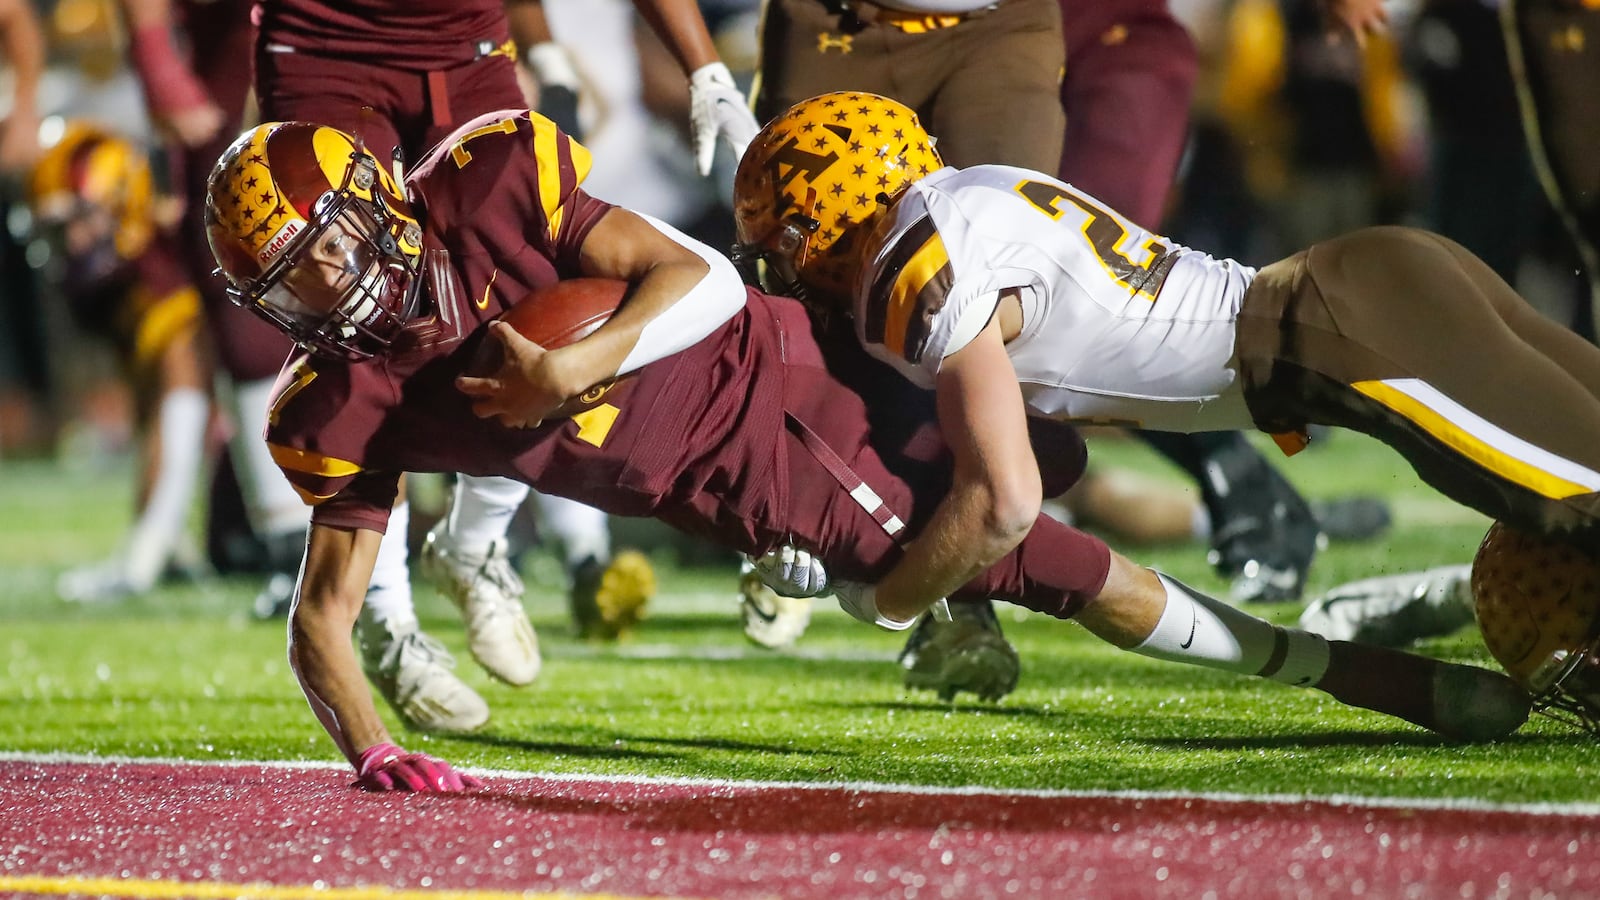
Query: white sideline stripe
point(1493, 435)
point(869, 787)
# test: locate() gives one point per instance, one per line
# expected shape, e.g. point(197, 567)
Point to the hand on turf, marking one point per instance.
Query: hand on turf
point(385, 767)
point(530, 384)
point(792, 572)
point(716, 108)
point(861, 601)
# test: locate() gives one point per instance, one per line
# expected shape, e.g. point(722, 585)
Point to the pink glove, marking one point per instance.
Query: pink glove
point(385, 767)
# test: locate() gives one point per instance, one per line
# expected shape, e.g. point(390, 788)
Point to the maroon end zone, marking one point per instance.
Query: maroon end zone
point(243, 824)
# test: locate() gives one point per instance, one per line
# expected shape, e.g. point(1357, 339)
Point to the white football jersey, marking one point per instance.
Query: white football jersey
point(1120, 326)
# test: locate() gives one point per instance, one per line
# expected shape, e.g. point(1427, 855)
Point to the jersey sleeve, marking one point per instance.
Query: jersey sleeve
point(912, 308)
point(315, 434)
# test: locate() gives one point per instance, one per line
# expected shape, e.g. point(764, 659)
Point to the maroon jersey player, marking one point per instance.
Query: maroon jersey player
point(732, 426)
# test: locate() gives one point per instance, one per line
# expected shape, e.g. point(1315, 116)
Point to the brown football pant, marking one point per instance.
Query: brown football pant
point(1406, 336)
point(987, 88)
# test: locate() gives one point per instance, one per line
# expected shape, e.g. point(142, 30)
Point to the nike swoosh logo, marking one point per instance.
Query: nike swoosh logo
point(484, 303)
point(1194, 622)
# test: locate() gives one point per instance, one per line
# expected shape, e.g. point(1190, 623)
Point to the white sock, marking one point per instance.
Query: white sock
point(270, 501)
point(181, 427)
point(480, 512)
point(582, 530)
point(1204, 631)
point(389, 600)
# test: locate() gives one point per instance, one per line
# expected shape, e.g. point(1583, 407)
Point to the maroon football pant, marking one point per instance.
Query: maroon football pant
point(1131, 69)
point(385, 107)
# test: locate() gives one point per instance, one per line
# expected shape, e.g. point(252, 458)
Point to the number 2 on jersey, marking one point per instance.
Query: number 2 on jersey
point(1104, 232)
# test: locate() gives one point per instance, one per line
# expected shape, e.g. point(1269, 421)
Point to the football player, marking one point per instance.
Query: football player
point(192, 59)
point(94, 200)
point(403, 78)
point(990, 78)
point(731, 426)
point(1012, 294)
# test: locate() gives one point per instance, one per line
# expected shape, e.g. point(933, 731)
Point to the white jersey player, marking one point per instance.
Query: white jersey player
point(1119, 326)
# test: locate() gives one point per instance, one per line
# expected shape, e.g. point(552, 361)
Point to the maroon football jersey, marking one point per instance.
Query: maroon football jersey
point(504, 214)
point(704, 440)
point(502, 194)
point(688, 439)
point(417, 35)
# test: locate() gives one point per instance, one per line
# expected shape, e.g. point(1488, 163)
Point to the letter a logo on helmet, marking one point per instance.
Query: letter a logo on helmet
point(817, 178)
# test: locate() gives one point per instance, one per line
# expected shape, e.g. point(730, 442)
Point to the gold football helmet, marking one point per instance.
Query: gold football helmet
point(1538, 606)
point(315, 236)
point(814, 182)
point(92, 178)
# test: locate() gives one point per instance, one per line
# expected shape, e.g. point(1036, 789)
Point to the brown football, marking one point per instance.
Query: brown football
point(554, 316)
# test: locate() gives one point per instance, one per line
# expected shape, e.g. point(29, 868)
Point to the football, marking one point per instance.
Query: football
point(1537, 600)
point(554, 316)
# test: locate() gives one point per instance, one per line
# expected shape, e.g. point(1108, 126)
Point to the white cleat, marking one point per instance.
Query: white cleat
point(771, 620)
point(489, 594)
point(103, 582)
point(414, 673)
point(1394, 610)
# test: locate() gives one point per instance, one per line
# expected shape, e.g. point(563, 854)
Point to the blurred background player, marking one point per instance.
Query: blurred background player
point(113, 263)
point(192, 60)
point(27, 387)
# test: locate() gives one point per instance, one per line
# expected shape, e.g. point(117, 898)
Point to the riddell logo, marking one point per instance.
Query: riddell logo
point(275, 245)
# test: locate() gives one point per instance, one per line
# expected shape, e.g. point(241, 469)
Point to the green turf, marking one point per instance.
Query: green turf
point(186, 673)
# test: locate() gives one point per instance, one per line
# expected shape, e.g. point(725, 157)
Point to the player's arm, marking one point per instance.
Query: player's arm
point(174, 93)
point(995, 494)
point(716, 105)
point(681, 291)
point(549, 62)
point(22, 46)
point(333, 585)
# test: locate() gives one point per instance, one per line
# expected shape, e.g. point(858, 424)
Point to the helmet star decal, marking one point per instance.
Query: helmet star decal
point(817, 178)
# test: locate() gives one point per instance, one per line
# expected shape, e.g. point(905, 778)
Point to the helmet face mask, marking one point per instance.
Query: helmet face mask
point(329, 252)
point(816, 180)
point(1566, 686)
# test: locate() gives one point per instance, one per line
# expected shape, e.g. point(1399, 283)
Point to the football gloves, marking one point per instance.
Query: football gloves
point(792, 572)
point(717, 108)
point(385, 767)
point(558, 86)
